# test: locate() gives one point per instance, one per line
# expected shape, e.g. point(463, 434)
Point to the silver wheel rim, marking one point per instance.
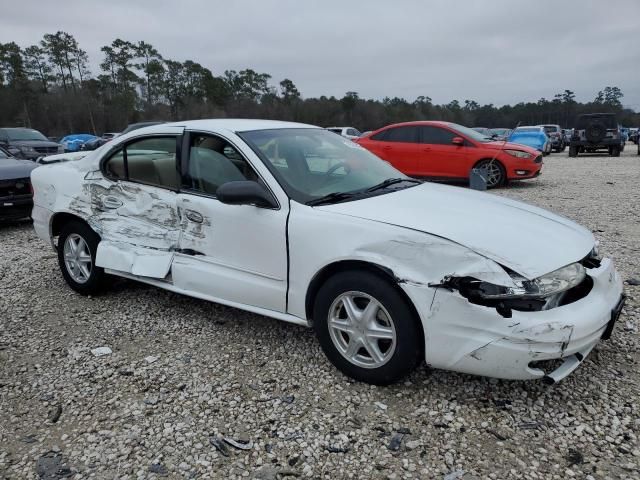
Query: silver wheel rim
point(494, 174)
point(362, 330)
point(77, 258)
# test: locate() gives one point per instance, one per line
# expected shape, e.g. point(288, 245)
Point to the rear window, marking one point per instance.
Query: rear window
point(609, 121)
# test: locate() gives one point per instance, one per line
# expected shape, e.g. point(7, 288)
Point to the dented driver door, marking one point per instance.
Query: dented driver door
point(134, 206)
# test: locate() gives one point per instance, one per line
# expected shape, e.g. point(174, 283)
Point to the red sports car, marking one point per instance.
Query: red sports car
point(446, 150)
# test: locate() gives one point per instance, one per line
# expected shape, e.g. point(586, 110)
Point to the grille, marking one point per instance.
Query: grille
point(47, 150)
point(538, 159)
point(14, 187)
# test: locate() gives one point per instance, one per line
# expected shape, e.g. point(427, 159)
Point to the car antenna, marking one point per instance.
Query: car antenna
point(483, 177)
point(504, 142)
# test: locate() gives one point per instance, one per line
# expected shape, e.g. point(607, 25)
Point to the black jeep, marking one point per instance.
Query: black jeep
point(595, 131)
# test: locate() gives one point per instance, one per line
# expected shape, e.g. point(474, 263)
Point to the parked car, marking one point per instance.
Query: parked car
point(634, 133)
point(347, 132)
point(27, 143)
point(16, 197)
point(554, 132)
point(295, 223)
point(110, 135)
point(532, 136)
point(75, 141)
point(596, 131)
point(624, 136)
point(484, 131)
point(135, 126)
point(500, 134)
point(93, 144)
point(448, 151)
point(566, 135)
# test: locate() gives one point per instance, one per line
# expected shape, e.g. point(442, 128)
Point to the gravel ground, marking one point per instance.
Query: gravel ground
point(185, 373)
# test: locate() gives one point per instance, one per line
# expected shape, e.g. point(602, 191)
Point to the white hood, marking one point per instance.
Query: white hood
point(526, 239)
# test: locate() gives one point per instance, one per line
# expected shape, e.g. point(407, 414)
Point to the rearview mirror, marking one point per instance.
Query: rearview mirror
point(245, 192)
point(457, 141)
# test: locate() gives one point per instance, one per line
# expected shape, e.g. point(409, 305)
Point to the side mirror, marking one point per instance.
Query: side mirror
point(245, 192)
point(457, 141)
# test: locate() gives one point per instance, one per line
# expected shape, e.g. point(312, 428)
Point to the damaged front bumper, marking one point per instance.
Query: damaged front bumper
point(475, 339)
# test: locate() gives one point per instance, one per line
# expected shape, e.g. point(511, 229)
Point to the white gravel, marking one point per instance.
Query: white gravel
point(183, 373)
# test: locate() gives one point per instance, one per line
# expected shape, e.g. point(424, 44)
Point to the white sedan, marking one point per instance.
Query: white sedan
point(296, 223)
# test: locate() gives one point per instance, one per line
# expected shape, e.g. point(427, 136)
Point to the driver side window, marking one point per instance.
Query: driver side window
point(212, 162)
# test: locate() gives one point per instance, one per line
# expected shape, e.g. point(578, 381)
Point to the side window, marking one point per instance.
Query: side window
point(436, 136)
point(151, 161)
point(380, 137)
point(402, 134)
point(214, 161)
point(353, 132)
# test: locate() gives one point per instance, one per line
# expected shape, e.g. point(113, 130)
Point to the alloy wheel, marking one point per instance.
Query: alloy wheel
point(362, 330)
point(494, 174)
point(77, 258)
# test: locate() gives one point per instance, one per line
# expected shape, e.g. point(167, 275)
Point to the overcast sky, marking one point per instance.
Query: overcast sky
point(492, 51)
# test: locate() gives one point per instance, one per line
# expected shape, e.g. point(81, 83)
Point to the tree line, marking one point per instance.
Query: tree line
point(49, 86)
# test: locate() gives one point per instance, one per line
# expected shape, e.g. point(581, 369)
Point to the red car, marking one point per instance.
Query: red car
point(449, 151)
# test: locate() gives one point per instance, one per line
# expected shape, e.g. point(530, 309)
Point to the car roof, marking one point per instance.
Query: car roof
point(238, 124)
point(437, 123)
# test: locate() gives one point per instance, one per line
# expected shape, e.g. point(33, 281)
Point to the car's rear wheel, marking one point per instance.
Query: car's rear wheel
point(77, 246)
point(366, 328)
point(573, 151)
point(496, 174)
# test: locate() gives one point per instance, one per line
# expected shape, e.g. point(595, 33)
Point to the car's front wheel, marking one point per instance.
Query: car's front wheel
point(366, 328)
point(496, 174)
point(77, 246)
point(573, 151)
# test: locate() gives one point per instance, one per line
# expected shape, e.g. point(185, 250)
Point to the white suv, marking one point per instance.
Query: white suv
point(346, 132)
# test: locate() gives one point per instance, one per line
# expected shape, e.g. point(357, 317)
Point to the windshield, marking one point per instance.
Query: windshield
point(312, 163)
point(20, 134)
point(470, 132)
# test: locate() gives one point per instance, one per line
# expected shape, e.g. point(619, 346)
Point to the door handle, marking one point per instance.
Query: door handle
point(194, 216)
point(111, 202)
point(386, 147)
point(426, 149)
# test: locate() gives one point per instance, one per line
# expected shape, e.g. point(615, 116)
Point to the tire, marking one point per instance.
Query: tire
point(343, 339)
point(87, 280)
point(496, 174)
point(614, 151)
point(573, 151)
point(595, 131)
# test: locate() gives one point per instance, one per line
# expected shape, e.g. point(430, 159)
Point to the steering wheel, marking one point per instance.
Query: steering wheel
point(338, 165)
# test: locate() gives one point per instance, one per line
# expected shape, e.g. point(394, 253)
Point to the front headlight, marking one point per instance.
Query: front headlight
point(538, 294)
point(518, 154)
point(558, 281)
point(27, 149)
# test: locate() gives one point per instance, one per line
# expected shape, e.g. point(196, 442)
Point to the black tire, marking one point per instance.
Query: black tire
point(614, 151)
point(500, 172)
point(408, 335)
point(573, 151)
point(595, 131)
point(94, 282)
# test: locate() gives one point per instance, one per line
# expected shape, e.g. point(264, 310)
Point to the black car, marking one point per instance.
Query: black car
point(27, 143)
point(16, 195)
point(596, 131)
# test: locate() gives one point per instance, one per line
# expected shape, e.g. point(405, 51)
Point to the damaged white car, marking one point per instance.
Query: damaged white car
point(296, 223)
